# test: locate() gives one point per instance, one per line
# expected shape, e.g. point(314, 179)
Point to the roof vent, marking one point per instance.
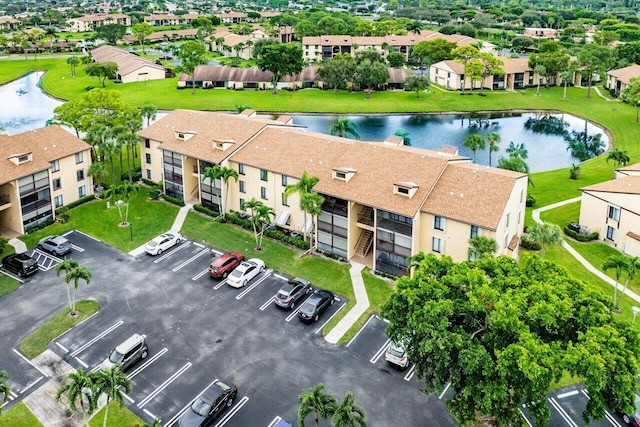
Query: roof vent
point(343, 174)
point(184, 135)
point(223, 145)
point(407, 188)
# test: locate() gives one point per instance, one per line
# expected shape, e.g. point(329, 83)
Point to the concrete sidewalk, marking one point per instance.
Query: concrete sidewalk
point(362, 304)
point(536, 217)
point(176, 227)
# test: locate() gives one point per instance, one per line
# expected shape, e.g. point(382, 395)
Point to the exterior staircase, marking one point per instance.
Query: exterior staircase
point(366, 216)
point(365, 242)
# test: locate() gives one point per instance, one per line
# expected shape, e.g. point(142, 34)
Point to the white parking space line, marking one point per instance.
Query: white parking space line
point(256, 283)
point(183, 410)
point(561, 411)
point(150, 414)
point(85, 235)
point(171, 252)
point(274, 421)
point(63, 348)
point(12, 276)
point(67, 233)
point(293, 314)
point(190, 260)
point(147, 363)
point(525, 417)
point(199, 275)
point(218, 253)
point(444, 391)
point(232, 412)
point(607, 414)
point(361, 329)
point(380, 352)
point(77, 248)
point(567, 394)
point(97, 338)
point(12, 395)
point(221, 284)
point(126, 396)
point(328, 320)
point(80, 361)
point(264, 306)
point(30, 362)
point(281, 277)
point(410, 373)
point(164, 385)
point(31, 384)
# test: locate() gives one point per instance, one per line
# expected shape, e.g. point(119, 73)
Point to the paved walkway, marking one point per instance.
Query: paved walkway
point(176, 227)
point(536, 217)
point(18, 244)
point(362, 304)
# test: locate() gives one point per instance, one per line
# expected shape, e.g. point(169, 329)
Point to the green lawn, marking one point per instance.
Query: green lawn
point(149, 218)
point(562, 215)
point(325, 273)
point(36, 342)
point(19, 416)
point(119, 416)
point(7, 284)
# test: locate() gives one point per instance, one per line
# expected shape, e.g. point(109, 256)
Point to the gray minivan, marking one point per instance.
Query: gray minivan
point(135, 348)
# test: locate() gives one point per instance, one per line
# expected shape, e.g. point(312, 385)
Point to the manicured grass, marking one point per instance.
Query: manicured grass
point(7, 284)
point(562, 215)
point(36, 342)
point(322, 272)
point(119, 416)
point(149, 218)
point(19, 416)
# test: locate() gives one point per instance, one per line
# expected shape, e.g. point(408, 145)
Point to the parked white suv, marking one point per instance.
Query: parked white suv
point(395, 354)
point(128, 353)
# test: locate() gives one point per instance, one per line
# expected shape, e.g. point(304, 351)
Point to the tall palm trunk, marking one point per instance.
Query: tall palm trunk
point(106, 412)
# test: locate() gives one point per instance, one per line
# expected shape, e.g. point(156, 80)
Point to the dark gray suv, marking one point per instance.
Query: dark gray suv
point(21, 264)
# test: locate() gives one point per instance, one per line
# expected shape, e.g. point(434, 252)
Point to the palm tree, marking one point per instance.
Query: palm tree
point(317, 401)
point(546, 234)
point(253, 204)
point(517, 150)
point(619, 157)
point(540, 70)
point(110, 151)
point(110, 381)
point(98, 172)
point(632, 269)
point(148, 112)
point(80, 385)
point(226, 174)
point(481, 245)
point(304, 185)
point(348, 414)
point(311, 203)
point(73, 61)
point(414, 261)
point(566, 76)
point(113, 192)
point(493, 138)
point(5, 388)
point(263, 215)
point(73, 273)
point(620, 264)
point(344, 128)
point(474, 142)
point(126, 189)
point(406, 136)
point(213, 173)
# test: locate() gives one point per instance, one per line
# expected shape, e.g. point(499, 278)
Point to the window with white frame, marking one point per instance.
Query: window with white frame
point(285, 180)
point(264, 175)
point(147, 157)
point(474, 232)
point(263, 193)
point(285, 200)
point(612, 233)
point(614, 213)
point(57, 184)
point(58, 201)
point(79, 158)
point(243, 186)
point(439, 223)
point(80, 174)
point(241, 169)
point(437, 245)
point(148, 173)
point(82, 191)
point(55, 166)
point(507, 220)
point(241, 203)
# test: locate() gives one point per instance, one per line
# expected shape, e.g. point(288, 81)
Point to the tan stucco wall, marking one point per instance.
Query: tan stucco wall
point(11, 217)
point(135, 76)
point(156, 160)
point(68, 178)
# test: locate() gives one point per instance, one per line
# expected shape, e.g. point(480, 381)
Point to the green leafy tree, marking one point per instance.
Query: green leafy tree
point(481, 245)
point(395, 60)
point(226, 175)
point(142, 30)
point(348, 414)
point(315, 401)
point(263, 215)
point(594, 59)
point(212, 174)
point(74, 273)
point(101, 70)
point(281, 60)
point(253, 205)
point(406, 136)
point(493, 139)
point(491, 66)
point(98, 172)
point(540, 70)
point(465, 54)
point(370, 74)
point(370, 54)
point(631, 94)
point(311, 203)
point(5, 388)
point(416, 83)
point(632, 269)
point(344, 128)
point(428, 52)
point(111, 32)
point(111, 381)
point(501, 333)
point(517, 150)
point(513, 163)
point(338, 70)
point(304, 186)
point(148, 112)
point(126, 189)
point(73, 62)
point(474, 142)
point(552, 62)
point(566, 76)
point(548, 235)
point(619, 157)
point(80, 386)
point(619, 264)
point(191, 55)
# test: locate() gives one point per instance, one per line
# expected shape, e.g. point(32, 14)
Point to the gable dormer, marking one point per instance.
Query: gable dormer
point(343, 174)
point(184, 135)
point(407, 189)
point(18, 159)
point(223, 145)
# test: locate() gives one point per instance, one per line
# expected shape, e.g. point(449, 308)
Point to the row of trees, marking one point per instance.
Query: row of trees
point(323, 405)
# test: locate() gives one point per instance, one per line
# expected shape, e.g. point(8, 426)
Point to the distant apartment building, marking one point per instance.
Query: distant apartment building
point(91, 22)
point(40, 170)
point(383, 202)
point(131, 67)
point(541, 33)
point(619, 79)
point(8, 23)
point(169, 19)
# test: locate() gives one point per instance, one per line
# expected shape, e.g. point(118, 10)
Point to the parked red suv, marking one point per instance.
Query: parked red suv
point(224, 264)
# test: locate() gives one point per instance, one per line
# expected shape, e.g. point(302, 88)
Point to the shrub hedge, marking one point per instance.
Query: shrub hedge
point(530, 244)
point(173, 200)
point(206, 211)
point(80, 201)
point(580, 237)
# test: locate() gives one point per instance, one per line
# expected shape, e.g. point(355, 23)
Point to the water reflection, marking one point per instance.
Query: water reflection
point(24, 106)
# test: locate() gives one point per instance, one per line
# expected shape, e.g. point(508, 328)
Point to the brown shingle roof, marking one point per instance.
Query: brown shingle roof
point(208, 126)
point(631, 168)
point(377, 166)
point(624, 185)
point(472, 194)
point(47, 144)
point(625, 74)
point(127, 62)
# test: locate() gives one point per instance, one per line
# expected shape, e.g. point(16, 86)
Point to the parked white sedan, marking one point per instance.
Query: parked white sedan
point(246, 271)
point(162, 243)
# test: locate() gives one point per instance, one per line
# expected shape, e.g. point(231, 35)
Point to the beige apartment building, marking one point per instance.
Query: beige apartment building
point(383, 202)
point(91, 22)
point(40, 171)
point(612, 208)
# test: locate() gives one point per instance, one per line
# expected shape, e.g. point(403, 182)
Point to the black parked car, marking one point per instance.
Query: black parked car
point(210, 404)
point(291, 292)
point(21, 264)
point(315, 305)
point(633, 419)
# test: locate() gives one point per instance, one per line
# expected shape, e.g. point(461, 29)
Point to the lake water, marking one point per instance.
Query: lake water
point(24, 106)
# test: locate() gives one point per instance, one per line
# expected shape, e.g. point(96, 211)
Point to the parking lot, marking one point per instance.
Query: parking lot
point(199, 329)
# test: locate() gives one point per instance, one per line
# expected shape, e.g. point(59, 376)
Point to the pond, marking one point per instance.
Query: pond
point(24, 106)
